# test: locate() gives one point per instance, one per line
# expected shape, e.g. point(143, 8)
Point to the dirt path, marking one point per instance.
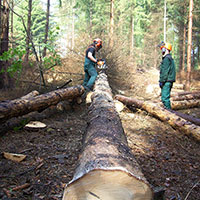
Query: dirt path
point(167, 158)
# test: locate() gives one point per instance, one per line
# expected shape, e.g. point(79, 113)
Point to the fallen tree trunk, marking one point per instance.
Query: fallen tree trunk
point(186, 97)
point(156, 110)
point(187, 117)
point(184, 93)
point(106, 168)
point(27, 96)
point(22, 106)
point(185, 104)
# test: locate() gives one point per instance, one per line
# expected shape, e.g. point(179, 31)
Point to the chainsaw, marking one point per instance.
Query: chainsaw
point(101, 64)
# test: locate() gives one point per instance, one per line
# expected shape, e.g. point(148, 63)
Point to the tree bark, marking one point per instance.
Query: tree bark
point(5, 79)
point(186, 97)
point(11, 25)
point(188, 78)
point(164, 115)
point(187, 117)
point(111, 23)
point(46, 28)
point(106, 168)
point(28, 30)
point(23, 106)
point(183, 56)
point(185, 104)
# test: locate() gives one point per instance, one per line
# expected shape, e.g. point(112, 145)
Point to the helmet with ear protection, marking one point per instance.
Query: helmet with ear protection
point(98, 43)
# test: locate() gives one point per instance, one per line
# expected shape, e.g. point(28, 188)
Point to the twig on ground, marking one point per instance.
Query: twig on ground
point(21, 187)
point(191, 189)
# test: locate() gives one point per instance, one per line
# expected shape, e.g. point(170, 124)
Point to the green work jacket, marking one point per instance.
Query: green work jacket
point(167, 69)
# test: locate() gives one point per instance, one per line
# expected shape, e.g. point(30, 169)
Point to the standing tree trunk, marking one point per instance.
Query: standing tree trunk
point(111, 23)
point(106, 168)
point(5, 81)
point(188, 78)
point(1, 75)
point(28, 30)
point(46, 28)
point(183, 56)
point(132, 35)
point(90, 17)
point(11, 25)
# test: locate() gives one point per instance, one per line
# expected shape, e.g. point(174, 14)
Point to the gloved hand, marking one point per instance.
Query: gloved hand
point(161, 84)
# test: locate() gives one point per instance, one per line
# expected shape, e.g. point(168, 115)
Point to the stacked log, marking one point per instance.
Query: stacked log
point(185, 104)
point(189, 96)
point(163, 114)
point(106, 168)
point(22, 106)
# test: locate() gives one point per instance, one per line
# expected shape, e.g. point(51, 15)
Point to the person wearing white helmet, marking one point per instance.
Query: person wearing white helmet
point(89, 65)
point(167, 74)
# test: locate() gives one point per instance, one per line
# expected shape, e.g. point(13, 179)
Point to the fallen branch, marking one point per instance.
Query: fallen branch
point(191, 190)
point(21, 187)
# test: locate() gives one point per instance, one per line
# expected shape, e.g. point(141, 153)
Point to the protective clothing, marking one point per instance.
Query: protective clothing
point(166, 45)
point(98, 43)
point(89, 69)
point(167, 69)
point(167, 77)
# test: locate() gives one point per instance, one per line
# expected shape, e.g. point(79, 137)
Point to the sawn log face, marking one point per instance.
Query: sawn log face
point(106, 159)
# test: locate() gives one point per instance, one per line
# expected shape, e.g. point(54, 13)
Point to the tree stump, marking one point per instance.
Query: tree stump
point(106, 168)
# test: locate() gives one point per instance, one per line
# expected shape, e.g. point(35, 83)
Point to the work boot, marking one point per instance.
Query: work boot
point(87, 90)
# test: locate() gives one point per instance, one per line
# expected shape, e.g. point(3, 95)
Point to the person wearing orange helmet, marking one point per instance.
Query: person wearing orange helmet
point(89, 65)
point(167, 74)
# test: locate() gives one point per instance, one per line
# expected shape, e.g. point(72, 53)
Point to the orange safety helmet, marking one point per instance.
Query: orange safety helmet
point(167, 46)
point(98, 43)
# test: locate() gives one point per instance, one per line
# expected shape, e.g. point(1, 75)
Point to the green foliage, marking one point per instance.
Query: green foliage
point(92, 18)
point(14, 57)
point(22, 123)
point(52, 59)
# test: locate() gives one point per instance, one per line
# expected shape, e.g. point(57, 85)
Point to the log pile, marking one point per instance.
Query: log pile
point(106, 168)
point(22, 106)
point(171, 118)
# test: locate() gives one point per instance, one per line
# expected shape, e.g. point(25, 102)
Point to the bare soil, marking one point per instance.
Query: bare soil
point(168, 158)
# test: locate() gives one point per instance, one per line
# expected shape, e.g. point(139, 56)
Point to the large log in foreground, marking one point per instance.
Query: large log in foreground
point(106, 168)
point(22, 106)
point(171, 118)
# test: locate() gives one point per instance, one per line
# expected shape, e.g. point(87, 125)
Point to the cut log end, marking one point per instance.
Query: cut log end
point(35, 125)
point(108, 185)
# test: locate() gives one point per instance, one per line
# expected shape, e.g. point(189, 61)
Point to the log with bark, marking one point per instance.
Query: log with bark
point(186, 97)
point(185, 104)
point(182, 104)
point(106, 168)
point(185, 93)
point(19, 107)
point(163, 114)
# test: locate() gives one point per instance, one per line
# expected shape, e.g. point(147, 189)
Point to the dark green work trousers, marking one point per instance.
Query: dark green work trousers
point(90, 74)
point(165, 94)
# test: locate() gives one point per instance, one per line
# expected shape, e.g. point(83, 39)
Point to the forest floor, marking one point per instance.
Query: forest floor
point(167, 157)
